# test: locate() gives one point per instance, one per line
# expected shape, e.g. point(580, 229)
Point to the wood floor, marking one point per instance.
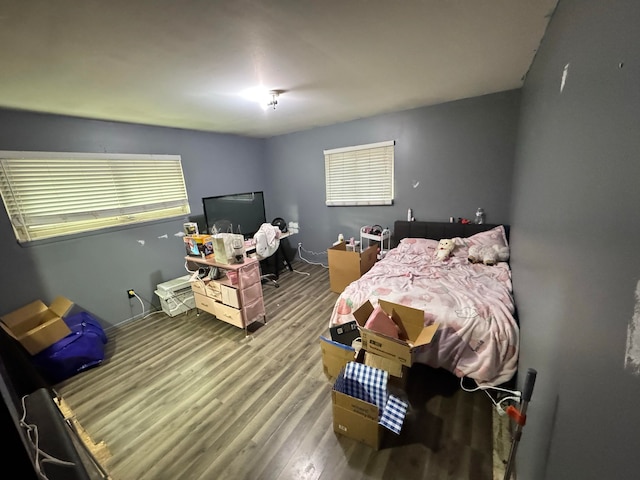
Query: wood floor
point(191, 397)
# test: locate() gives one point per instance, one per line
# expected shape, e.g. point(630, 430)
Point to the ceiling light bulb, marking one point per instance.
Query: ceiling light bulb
point(266, 98)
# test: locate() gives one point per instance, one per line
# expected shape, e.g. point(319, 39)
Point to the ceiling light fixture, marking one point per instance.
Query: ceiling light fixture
point(265, 98)
point(271, 100)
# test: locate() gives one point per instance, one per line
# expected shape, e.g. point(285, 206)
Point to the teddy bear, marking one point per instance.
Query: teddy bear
point(488, 254)
point(444, 249)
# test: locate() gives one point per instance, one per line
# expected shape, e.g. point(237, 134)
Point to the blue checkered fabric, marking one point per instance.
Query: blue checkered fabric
point(366, 383)
point(394, 413)
point(338, 385)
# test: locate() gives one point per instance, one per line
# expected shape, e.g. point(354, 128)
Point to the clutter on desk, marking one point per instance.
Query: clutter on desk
point(228, 248)
point(190, 228)
point(198, 245)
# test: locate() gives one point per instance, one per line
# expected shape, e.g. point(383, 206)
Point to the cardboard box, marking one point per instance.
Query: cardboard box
point(190, 228)
point(410, 322)
point(199, 245)
point(345, 266)
point(356, 419)
point(37, 326)
point(334, 357)
point(398, 373)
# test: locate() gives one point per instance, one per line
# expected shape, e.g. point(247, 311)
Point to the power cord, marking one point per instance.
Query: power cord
point(300, 249)
point(513, 395)
point(40, 456)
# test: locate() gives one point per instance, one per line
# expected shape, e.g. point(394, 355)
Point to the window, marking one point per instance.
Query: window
point(361, 175)
point(53, 194)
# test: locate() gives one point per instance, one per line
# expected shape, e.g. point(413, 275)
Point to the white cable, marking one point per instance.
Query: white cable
point(32, 435)
point(186, 267)
point(312, 253)
point(140, 300)
point(516, 399)
point(480, 387)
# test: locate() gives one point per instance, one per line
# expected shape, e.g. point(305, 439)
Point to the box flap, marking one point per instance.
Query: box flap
point(363, 313)
point(342, 246)
point(376, 361)
point(367, 258)
point(61, 306)
point(334, 356)
point(426, 335)
point(411, 320)
point(44, 335)
point(18, 316)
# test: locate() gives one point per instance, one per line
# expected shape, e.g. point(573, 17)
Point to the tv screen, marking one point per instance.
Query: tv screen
point(244, 211)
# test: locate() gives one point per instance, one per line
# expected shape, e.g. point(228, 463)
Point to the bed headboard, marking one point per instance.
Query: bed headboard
point(437, 230)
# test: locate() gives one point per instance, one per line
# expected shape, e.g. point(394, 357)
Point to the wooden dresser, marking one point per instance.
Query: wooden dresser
point(237, 302)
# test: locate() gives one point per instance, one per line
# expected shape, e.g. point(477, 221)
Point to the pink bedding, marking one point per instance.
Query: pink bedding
point(478, 335)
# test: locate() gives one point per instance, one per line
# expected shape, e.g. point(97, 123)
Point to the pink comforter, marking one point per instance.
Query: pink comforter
point(478, 336)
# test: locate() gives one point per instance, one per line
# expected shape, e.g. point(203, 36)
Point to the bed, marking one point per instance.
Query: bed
point(478, 335)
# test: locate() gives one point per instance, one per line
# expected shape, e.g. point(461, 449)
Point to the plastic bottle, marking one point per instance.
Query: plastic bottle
point(409, 215)
point(479, 216)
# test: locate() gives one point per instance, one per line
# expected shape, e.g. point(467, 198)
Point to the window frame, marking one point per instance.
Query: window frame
point(348, 177)
point(51, 196)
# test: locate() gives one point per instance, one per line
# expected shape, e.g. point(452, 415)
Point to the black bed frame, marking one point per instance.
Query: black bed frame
point(438, 230)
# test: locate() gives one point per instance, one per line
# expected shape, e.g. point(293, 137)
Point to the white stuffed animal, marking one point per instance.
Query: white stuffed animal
point(445, 247)
point(488, 254)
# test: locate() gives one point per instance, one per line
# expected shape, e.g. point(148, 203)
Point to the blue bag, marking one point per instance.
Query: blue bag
point(82, 349)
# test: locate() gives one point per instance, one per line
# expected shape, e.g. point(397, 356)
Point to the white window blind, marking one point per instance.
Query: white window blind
point(53, 194)
point(360, 175)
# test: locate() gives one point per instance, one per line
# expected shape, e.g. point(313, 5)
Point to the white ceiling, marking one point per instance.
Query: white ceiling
point(184, 63)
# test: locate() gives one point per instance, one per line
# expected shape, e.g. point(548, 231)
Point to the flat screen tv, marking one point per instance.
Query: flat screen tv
point(244, 211)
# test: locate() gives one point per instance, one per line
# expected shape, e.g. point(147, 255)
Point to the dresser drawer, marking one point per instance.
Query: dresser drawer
point(213, 290)
point(205, 303)
point(229, 315)
point(199, 287)
point(229, 296)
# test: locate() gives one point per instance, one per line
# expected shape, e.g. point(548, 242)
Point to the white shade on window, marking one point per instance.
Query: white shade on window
point(360, 175)
point(53, 194)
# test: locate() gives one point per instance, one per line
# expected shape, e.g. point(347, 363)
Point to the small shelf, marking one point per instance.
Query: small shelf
point(384, 236)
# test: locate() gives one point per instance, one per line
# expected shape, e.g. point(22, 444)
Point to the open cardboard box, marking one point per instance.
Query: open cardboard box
point(37, 326)
point(356, 418)
point(348, 266)
point(413, 333)
point(336, 355)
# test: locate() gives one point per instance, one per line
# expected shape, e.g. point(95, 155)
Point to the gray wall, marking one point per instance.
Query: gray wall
point(96, 270)
point(450, 159)
point(575, 236)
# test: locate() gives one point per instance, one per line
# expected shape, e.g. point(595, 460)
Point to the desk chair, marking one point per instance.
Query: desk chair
point(267, 240)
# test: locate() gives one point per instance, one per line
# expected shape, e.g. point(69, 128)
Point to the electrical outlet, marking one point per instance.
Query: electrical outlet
point(131, 293)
